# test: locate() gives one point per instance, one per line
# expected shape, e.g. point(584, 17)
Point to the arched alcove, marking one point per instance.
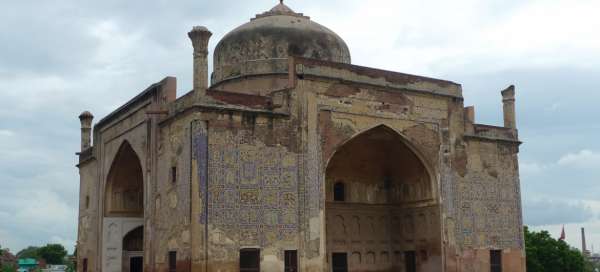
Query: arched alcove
point(123, 231)
point(125, 185)
point(377, 167)
point(387, 189)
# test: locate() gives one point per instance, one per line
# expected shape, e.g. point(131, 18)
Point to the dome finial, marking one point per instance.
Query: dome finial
point(281, 2)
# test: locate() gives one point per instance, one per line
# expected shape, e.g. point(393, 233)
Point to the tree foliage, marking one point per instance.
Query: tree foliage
point(546, 254)
point(8, 268)
point(53, 253)
point(28, 252)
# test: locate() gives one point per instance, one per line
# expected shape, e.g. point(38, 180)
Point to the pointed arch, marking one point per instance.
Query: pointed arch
point(384, 176)
point(401, 137)
point(124, 192)
point(385, 154)
point(134, 240)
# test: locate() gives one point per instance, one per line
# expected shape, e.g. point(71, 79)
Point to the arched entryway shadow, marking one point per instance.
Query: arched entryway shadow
point(123, 219)
point(381, 213)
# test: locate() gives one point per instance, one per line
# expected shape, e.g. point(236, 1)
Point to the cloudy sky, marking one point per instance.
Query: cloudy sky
point(58, 58)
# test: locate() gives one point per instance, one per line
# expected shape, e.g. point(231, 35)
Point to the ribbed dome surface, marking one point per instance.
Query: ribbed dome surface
point(263, 45)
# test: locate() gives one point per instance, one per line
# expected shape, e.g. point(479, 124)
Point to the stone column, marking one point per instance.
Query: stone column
point(200, 37)
point(508, 101)
point(86, 129)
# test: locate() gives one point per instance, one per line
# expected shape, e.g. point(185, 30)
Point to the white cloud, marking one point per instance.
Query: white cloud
point(6, 132)
point(476, 37)
point(582, 159)
point(585, 158)
point(116, 48)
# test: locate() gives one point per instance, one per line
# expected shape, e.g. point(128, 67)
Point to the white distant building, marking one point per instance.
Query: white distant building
point(55, 268)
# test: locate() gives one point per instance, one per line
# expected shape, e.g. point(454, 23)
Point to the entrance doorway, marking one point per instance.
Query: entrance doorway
point(133, 250)
point(339, 262)
point(136, 264)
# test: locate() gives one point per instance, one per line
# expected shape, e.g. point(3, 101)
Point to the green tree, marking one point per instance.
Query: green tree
point(8, 268)
point(29, 252)
point(546, 254)
point(53, 253)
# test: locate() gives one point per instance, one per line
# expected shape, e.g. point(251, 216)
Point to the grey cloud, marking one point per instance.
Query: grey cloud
point(552, 212)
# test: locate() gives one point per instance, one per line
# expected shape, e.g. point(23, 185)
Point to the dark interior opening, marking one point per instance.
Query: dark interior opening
point(410, 259)
point(173, 174)
point(339, 191)
point(496, 260)
point(85, 265)
point(291, 261)
point(172, 261)
point(250, 260)
point(136, 264)
point(339, 262)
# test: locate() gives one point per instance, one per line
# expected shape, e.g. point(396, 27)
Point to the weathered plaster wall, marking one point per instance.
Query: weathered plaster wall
point(263, 85)
point(489, 205)
point(87, 241)
point(172, 196)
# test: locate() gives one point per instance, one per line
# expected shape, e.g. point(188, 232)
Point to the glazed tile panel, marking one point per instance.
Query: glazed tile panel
point(252, 188)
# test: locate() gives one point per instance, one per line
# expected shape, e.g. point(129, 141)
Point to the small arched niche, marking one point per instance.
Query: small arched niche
point(125, 185)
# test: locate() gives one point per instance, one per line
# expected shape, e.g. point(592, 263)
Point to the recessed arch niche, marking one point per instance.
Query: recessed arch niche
point(124, 195)
point(389, 202)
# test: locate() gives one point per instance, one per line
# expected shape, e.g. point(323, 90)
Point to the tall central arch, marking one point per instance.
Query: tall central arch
point(125, 185)
point(123, 233)
point(381, 212)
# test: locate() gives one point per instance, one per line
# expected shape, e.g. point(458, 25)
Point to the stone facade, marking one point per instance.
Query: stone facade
point(309, 155)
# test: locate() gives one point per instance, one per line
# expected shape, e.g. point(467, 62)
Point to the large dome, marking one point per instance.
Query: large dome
point(263, 45)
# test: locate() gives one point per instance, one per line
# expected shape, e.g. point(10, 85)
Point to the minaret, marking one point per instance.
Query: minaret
point(200, 37)
point(508, 101)
point(86, 129)
point(583, 246)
